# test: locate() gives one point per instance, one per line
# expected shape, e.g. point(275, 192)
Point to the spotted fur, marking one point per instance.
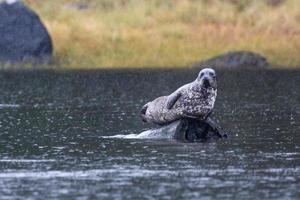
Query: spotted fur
point(193, 100)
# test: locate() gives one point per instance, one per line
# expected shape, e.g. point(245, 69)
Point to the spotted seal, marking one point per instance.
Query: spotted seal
point(193, 100)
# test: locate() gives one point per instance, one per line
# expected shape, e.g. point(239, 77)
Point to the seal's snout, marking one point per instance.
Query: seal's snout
point(206, 83)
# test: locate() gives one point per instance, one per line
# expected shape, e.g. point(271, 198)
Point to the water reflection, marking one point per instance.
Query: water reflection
point(52, 126)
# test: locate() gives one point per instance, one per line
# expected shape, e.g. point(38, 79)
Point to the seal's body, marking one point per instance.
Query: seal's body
point(193, 100)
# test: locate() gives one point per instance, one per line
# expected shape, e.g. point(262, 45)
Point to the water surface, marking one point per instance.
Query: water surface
point(52, 126)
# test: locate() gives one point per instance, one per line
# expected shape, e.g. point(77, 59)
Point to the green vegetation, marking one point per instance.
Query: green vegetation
point(159, 33)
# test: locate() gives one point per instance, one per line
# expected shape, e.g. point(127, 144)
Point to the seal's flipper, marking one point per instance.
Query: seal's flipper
point(186, 115)
point(172, 99)
point(143, 112)
point(144, 109)
point(217, 128)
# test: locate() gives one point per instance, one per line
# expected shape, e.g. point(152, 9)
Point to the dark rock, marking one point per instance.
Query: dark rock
point(78, 5)
point(235, 59)
point(188, 130)
point(23, 36)
point(274, 3)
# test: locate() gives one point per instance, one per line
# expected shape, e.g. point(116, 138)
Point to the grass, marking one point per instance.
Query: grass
point(158, 33)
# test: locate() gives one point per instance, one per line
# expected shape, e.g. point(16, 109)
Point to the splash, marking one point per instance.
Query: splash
point(148, 134)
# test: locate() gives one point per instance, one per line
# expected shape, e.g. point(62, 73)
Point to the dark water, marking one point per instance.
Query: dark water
point(51, 144)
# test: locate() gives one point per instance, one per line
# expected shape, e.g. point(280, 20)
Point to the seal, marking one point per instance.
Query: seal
point(193, 100)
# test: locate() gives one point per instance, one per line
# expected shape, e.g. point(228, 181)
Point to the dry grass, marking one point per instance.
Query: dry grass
point(126, 33)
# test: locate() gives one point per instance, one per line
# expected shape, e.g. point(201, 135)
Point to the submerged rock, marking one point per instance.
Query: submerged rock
point(23, 37)
point(235, 59)
point(189, 130)
point(186, 130)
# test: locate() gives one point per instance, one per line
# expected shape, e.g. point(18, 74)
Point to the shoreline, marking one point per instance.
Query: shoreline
point(181, 33)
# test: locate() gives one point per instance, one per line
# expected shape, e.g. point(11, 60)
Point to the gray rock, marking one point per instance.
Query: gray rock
point(189, 130)
point(23, 36)
point(236, 59)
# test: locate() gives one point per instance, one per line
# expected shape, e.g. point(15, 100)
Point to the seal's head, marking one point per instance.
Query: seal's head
point(207, 78)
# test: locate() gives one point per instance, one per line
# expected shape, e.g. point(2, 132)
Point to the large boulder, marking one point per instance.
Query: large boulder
point(23, 37)
point(235, 59)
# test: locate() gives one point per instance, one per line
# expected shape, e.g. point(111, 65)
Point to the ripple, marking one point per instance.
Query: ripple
point(89, 174)
point(9, 106)
point(25, 161)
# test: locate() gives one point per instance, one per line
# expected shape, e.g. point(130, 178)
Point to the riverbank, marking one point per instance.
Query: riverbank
point(144, 33)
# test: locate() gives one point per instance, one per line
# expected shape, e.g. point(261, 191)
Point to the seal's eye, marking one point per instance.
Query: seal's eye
point(201, 75)
point(213, 75)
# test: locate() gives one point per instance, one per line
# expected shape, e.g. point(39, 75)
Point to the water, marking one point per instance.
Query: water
point(52, 126)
